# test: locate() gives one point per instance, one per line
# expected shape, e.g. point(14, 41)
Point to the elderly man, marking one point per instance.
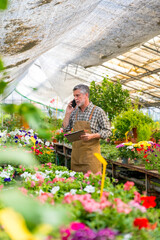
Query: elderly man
point(96, 125)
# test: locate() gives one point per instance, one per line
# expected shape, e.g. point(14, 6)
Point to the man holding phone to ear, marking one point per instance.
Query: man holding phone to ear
point(93, 120)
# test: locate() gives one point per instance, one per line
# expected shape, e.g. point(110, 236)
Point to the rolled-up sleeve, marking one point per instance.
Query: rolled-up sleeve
point(70, 125)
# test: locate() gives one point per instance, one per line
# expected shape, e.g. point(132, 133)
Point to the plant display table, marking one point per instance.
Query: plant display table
point(63, 150)
point(150, 176)
point(150, 179)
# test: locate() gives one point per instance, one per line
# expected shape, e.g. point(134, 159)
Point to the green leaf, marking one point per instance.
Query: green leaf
point(3, 85)
point(33, 211)
point(3, 4)
point(1, 63)
point(44, 134)
point(16, 156)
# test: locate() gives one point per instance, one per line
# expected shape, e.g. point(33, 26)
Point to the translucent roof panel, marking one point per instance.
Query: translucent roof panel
point(50, 46)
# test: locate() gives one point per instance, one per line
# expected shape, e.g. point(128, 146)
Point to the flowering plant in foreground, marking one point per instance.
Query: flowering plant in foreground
point(121, 212)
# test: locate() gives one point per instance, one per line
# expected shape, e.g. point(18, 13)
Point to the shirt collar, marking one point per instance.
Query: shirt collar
point(87, 108)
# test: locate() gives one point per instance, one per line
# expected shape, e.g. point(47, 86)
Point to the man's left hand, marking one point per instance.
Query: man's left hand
point(89, 136)
point(86, 137)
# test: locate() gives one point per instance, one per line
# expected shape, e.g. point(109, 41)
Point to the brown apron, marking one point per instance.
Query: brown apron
point(82, 157)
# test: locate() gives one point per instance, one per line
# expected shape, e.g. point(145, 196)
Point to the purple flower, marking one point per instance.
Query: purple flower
point(36, 142)
point(155, 155)
point(7, 180)
point(87, 234)
point(106, 234)
point(16, 141)
point(16, 137)
point(35, 136)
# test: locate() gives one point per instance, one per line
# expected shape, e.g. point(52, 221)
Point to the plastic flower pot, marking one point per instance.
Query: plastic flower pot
point(125, 160)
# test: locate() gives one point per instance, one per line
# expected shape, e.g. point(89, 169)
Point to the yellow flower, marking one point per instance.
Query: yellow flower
point(14, 224)
point(128, 144)
point(48, 152)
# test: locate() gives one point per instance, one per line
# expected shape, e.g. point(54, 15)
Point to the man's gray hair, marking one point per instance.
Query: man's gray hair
point(84, 88)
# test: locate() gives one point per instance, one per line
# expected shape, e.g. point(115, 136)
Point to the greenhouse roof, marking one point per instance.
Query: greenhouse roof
point(49, 46)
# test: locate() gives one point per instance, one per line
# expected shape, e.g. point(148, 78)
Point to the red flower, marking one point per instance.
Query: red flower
point(141, 223)
point(148, 202)
point(144, 223)
point(145, 155)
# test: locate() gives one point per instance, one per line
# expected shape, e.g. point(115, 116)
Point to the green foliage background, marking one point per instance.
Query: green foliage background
point(110, 97)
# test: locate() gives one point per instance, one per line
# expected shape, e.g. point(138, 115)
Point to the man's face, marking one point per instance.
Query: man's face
point(80, 97)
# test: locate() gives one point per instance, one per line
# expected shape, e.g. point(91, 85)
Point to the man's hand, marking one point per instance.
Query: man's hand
point(69, 108)
point(89, 136)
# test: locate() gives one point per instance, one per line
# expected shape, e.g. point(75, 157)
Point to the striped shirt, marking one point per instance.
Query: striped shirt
point(99, 122)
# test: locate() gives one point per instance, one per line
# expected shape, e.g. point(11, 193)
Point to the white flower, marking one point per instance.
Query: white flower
point(72, 174)
point(4, 174)
point(48, 172)
point(55, 189)
point(31, 131)
point(111, 193)
point(10, 168)
point(25, 175)
point(73, 191)
point(47, 144)
point(26, 138)
point(89, 189)
point(130, 147)
point(60, 173)
point(66, 193)
point(127, 236)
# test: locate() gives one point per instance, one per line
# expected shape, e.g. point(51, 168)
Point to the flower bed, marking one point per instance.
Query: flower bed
point(121, 213)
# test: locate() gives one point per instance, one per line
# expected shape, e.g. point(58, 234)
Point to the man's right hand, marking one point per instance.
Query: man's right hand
point(69, 108)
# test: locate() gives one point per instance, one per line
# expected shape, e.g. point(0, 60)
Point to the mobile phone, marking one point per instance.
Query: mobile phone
point(74, 103)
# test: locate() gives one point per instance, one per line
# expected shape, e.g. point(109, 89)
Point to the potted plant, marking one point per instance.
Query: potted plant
point(131, 119)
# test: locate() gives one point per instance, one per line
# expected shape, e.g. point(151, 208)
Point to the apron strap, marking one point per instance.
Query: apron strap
point(92, 113)
point(90, 117)
point(76, 115)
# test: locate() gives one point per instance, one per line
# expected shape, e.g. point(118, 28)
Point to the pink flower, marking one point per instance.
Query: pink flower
point(88, 174)
point(137, 205)
point(98, 173)
point(24, 169)
point(1, 186)
point(76, 226)
point(56, 179)
point(65, 233)
point(20, 166)
point(32, 184)
point(23, 190)
point(121, 206)
point(70, 179)
point(49, 164)
point(128, 185)
point(137, 197)
point(45, 196)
